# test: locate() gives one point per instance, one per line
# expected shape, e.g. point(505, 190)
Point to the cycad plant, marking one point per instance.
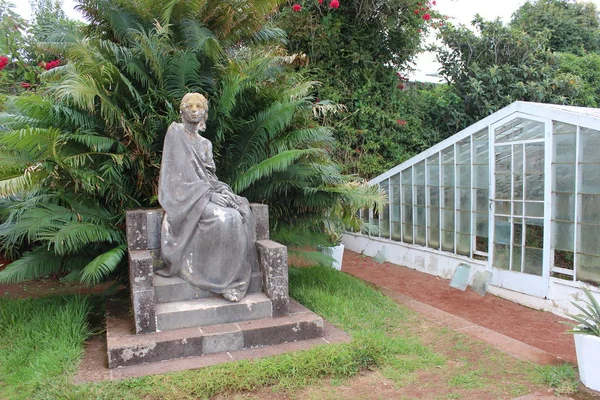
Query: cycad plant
point(77, 155)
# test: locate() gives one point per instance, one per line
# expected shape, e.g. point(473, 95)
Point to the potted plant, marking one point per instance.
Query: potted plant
point(335, 248)
point(586, 331)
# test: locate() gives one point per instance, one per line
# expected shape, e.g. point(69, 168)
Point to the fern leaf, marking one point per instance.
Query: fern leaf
point(101, 266)
point(34, 264)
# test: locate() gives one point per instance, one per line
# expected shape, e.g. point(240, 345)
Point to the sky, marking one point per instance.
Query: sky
point(460, 11)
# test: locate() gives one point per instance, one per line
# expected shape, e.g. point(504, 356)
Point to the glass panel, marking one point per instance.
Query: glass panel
point(501, 256)
point(449, 198)
point(502, 230)
point(448, 155)
point(395, 212)
point(395, 189)
point(590, 208)
point(590, 178)
point(464, 222)
point(407, 176)
point(564, 149)
point(420, 195)
point(588, 268)
point(503, 207)
point(533, 130)
point(505, 132)
point(482, 200)
point(518, 208)
point(534, 261)
point(481, 147)
point(384, 223)
point(563, 206)
point(587, 239)
point(562, 235)
point(481, 224)
point(464, 176)
point(534, 157)
point(420, 173)
point(534, 187)
point(534, 209)
point(463, 149)
point(516, 258)
point(560, 128)
point(589, 145)
point(407, 233)
point(396, 231)
point(433, 170)
point(448, 220)
point(503, 186)
point(464, 199)
point(534, 233)
point(420, 214)
point(481, 176)
point(448, 241)
point(434, 238)
point(434, 196)
point(518, 231)
point(503, 158)
point(463, 244)
point(420, 238)
point(518, 159)
point(563, 178)
point(434, 218)
point(518, 186)
point(408, 213)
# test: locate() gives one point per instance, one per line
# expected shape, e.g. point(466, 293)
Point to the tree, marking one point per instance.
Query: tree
point(103, 118)
point(573, 26)
point(497, 66)
point(355, 51)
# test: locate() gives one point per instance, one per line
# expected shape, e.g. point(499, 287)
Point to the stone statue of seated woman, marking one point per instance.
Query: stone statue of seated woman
point(208, 234)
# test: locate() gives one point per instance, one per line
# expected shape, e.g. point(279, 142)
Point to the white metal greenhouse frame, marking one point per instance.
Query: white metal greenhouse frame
point(516, 194)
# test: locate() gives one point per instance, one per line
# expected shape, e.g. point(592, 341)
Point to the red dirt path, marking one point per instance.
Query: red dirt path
point(536, 328)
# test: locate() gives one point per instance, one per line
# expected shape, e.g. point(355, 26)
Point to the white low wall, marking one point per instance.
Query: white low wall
point(443, 264)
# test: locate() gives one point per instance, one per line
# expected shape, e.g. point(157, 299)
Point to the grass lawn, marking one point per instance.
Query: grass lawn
point(394, 354)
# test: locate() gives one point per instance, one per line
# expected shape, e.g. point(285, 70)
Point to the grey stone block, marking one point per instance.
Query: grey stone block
point(261, 217)
point(141, 272)
point(226, 341)
point(211, 311)
point(154, 224)
point(266, 336)
point(273, 262)
point(136, 227)
point(144, 311)
point(151, 351)
point(176, 289)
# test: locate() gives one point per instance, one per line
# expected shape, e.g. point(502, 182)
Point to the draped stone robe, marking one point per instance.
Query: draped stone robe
point(210, 246)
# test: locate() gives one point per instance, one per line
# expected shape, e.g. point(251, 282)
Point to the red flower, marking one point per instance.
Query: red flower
point(416, 11)
point(433, 2)
point(3, 62)
point(50, 65)
point(25, 85)
point(320, 1)
point(401, 122)
point(400, 86)
point(426, 17)
point(296, 7)
point(334, 4)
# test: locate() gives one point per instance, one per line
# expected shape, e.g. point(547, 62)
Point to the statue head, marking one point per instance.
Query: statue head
point(193, 108)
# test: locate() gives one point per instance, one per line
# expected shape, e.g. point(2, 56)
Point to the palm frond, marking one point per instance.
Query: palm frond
point(101, 266)
point(34, 264)
point(77, 235)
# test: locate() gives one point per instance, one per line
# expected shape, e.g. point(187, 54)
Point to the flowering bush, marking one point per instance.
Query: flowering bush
point(50, 65)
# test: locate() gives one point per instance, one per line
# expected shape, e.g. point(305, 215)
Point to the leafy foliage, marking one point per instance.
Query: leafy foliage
point(588, 320)
point(88, 147)
point(355, 51)
point(573, 26)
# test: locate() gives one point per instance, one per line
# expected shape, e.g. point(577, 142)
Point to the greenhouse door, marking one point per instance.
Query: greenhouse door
point(519, 187)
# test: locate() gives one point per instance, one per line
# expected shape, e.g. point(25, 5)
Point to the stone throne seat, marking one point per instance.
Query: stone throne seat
point(169, 303)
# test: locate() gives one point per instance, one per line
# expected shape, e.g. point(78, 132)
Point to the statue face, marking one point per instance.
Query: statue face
point(193, 110)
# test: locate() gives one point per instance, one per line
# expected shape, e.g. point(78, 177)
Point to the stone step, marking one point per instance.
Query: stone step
point(211, 311)
point(125, 348)
point(174, 288)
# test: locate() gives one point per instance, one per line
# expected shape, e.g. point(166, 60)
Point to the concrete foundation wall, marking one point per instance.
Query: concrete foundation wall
point(443, 264)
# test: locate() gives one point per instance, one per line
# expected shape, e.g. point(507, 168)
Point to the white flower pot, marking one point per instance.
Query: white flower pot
point(335, 252)
point(587, 348)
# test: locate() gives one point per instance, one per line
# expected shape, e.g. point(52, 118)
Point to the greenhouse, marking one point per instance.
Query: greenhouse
point(517, 195)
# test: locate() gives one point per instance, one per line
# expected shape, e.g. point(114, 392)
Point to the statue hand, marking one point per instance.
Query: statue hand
point(220, 199)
